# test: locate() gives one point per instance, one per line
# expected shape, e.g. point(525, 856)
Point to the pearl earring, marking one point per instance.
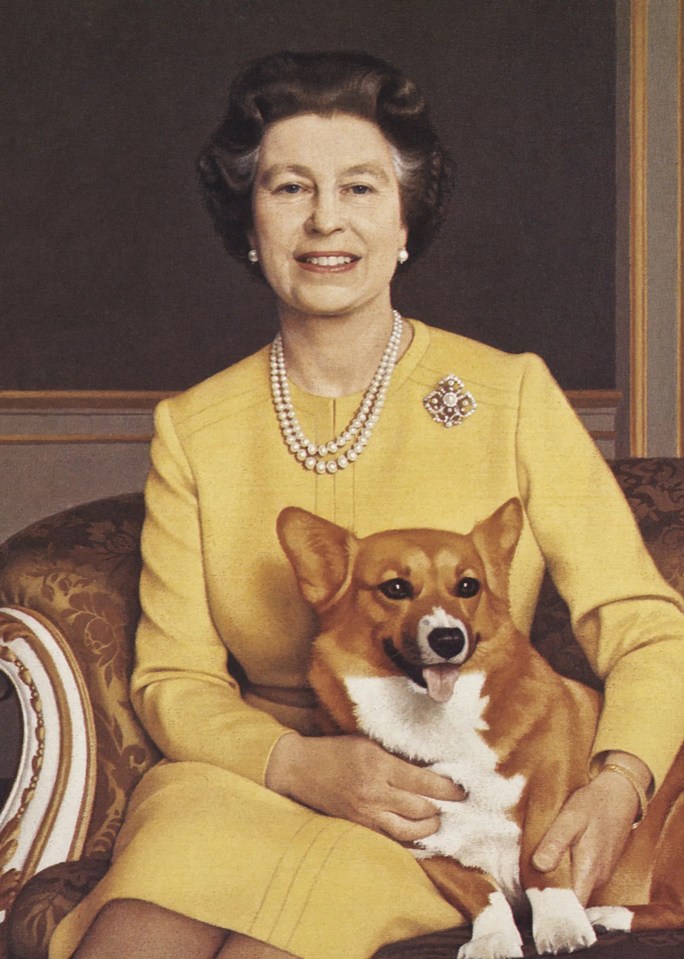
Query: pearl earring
point(403, 255)
point(253, 256)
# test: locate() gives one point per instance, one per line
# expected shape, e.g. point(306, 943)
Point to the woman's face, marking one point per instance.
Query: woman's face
point(327, 214)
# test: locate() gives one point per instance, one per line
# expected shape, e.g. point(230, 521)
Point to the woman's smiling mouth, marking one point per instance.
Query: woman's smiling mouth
point(327, 262)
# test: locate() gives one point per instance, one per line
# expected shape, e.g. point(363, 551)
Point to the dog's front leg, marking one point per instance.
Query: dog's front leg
point(495, 934)
point(559, 921)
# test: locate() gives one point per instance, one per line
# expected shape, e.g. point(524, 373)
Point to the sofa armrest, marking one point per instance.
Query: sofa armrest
point(45, 818)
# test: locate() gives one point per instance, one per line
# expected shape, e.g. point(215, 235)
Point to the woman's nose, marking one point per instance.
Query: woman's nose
point(327, 215)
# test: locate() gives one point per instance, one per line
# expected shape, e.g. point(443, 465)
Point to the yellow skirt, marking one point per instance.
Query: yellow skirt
point(211, 845)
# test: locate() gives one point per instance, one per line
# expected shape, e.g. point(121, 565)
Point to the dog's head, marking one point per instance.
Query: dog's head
point(413, 602)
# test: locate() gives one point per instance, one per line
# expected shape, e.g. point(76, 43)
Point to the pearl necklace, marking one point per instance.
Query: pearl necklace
point(352, 441)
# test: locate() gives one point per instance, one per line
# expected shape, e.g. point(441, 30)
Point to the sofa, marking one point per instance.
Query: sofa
point(68, 613)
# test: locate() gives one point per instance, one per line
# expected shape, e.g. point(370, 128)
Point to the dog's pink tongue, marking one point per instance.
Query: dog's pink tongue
point(440, 681)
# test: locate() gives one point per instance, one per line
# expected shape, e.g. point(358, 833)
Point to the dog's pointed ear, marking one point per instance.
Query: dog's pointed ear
point(496, 539)
point(321, 553)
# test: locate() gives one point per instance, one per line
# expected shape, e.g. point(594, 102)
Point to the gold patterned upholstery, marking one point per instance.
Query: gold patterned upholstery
point(78, 573)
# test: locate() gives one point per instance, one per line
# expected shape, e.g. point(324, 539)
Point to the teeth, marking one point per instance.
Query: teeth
point(329, 260)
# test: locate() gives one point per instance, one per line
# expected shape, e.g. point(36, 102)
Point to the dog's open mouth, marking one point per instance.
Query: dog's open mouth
point(438, 680)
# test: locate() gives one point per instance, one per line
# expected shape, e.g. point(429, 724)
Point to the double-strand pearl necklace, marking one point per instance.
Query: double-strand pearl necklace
point(347, 446)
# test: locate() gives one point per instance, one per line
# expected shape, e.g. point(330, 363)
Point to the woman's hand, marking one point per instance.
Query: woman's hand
point(353, 778)
point(594, 825)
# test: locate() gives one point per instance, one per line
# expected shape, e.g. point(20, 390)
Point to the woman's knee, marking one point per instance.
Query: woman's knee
point(143, 930)
point(242, 947)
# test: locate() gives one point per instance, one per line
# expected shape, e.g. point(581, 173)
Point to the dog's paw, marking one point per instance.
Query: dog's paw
point(559, 922)
point(495, 934)
point(610, 918)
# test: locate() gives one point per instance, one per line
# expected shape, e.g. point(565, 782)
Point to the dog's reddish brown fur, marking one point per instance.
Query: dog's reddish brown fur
point(539, 723)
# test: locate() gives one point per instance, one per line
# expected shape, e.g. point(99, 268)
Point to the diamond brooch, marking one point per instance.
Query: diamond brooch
point(450, 403)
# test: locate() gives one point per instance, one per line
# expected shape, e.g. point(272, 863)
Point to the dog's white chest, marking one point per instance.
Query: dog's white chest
point(478, 831)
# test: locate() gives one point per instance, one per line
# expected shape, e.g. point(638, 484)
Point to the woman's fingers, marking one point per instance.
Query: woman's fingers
point(560, 837)
point(425, 782)
point(354, 778)
point(409, 805)
point(407, 831)
point(593, 828)
point(403, 797)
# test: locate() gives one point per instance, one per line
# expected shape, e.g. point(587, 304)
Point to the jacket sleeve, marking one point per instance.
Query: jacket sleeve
point(628, 619)
point(181, 688)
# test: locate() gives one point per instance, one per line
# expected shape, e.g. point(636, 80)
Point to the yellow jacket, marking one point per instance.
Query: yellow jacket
point(216, 586)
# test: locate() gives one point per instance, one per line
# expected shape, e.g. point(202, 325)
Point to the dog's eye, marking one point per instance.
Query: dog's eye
point(467, 587)
point(396, 589)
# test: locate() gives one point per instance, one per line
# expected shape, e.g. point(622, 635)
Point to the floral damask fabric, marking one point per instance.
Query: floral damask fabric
point(45, 901)
point(655, 491)
point(80, 570)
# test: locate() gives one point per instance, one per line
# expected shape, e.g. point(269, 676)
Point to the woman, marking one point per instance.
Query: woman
point(255, 839)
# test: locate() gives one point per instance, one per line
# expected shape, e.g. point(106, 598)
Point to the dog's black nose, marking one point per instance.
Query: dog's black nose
point(447, 641)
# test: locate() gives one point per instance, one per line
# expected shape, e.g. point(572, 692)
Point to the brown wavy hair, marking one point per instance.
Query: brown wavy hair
point(285, 84)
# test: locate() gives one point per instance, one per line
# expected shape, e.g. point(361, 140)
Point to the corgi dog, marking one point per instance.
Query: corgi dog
point(417, 650)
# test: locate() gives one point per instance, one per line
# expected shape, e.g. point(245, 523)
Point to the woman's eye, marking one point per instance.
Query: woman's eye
point(360, 189)
point(467, 587)
point(290, 188)
point(396, 589)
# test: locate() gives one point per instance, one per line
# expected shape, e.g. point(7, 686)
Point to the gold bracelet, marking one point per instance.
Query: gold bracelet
point(638, 788)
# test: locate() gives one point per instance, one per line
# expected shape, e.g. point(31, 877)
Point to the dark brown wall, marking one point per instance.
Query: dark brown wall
point(111, 277)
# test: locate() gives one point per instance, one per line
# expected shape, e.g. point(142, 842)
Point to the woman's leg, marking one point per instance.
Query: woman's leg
point(141, 930)
point(242, 947)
